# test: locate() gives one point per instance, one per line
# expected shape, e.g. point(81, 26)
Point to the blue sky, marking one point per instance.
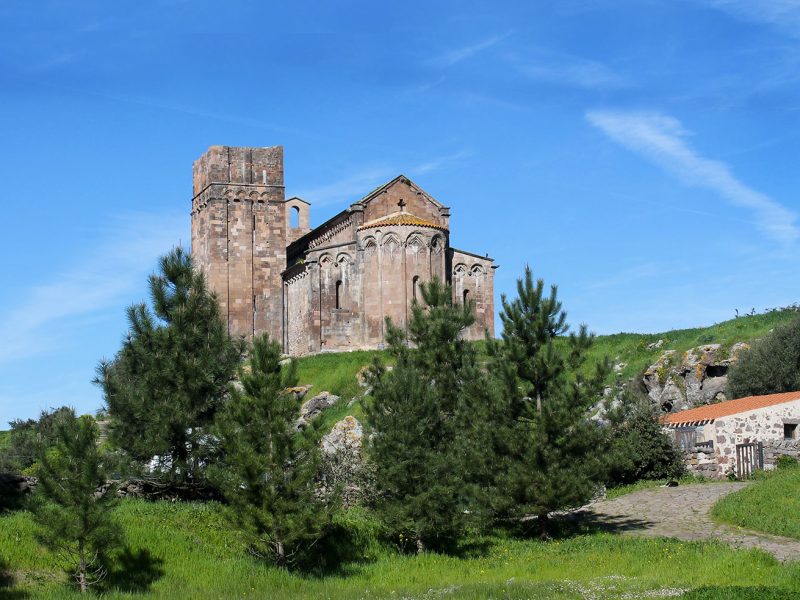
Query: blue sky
point(641, 155)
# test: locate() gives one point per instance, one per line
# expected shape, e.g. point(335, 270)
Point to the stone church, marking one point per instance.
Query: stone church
point(329, 288)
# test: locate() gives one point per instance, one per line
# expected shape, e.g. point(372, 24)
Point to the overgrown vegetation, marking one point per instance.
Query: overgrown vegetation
point(72, 504)
point(771, 504)
point(640, 450)
point(170, 377)
point(551, 455)
point(26, 439)
point(771, 365)
point(266, 469)
point(424, 448)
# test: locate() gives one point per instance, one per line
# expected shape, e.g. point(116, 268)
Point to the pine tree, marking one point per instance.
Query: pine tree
point(418, 415)
point(171, 375)
point(552, 452)
point(73, 501)
point(267, 472)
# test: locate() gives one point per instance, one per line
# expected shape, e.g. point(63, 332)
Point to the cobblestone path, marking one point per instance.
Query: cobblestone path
point(683, 512)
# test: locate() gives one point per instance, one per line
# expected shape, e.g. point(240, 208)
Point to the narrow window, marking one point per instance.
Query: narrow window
point(790, 431)
point(414, 286)
point(294, 217)
point(338, 294)
point(466, 297)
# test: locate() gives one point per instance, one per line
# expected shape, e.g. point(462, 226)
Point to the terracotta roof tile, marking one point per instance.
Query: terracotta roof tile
point(402, 218)
point(730, 407)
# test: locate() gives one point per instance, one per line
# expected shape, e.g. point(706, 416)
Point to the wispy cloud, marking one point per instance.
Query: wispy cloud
point(456, 55)
point(104, 278)
point(438, 163)
point(662, 139)
point(783, 14)
point(570, 71)
point(352, 187)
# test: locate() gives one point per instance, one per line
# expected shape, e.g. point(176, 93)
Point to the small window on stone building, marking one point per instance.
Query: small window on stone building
point(790, 431)
point(414, 287)
point(338, 294)
point(294, 217)
point(466, 297)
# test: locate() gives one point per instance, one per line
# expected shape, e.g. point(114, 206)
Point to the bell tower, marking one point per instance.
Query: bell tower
point(239, 235)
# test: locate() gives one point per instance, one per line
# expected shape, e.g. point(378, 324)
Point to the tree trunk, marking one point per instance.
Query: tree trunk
point(82, 582)
point(543, 523)
point(280, 554)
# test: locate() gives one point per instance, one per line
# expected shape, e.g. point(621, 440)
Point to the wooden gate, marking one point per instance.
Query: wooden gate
point(749, 457)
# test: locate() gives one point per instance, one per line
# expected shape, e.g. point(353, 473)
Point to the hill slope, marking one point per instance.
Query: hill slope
point(336, 372)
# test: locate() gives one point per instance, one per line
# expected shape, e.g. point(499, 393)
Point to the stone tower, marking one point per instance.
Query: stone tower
point(239, 233)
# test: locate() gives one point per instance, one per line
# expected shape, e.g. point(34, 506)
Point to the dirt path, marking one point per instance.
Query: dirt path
point(683, 512)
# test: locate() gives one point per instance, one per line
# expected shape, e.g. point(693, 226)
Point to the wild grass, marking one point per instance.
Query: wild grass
point(770, 505)
point(187, 550)
point(336, 372)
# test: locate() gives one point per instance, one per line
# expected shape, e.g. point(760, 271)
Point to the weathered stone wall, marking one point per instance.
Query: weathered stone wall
point(760, 425)
point(239, 234)
point(774, 449)
point(301, 209)
point(415, 201)
point(702, 462)
point(473, 280)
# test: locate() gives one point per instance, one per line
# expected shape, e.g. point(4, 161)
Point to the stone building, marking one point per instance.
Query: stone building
point(738, 436)
point(331, 287)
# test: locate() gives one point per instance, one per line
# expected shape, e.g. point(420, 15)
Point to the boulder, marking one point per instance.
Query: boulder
point(344, 470)
point(314, 407)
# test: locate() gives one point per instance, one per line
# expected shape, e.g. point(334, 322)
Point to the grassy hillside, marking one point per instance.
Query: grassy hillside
point(336, 372)
point(184, 550)
point(771, 504)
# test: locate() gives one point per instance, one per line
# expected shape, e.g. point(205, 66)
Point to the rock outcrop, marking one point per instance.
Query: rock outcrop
point(698, 376)
point(344, 470)
point(313, 408)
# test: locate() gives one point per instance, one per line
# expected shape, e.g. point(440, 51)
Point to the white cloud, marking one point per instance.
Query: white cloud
point(457, 55)
point(784, 14)
point(662, 139)
point(572, 71)
point(102, 279)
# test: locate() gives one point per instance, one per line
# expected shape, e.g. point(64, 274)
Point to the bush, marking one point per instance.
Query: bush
point(771, 366)
point(640, 449)
point(28, 438)
point(787, 462)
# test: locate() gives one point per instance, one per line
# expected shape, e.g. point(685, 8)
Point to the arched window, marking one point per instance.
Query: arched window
point(294, 217)
point(339, 294)
point(414, 287)
point(466, 297)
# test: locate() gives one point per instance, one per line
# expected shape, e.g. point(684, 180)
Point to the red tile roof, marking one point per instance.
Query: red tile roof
point(402, 218)
point(730, 407)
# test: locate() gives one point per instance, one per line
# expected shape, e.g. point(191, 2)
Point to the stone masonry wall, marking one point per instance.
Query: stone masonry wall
point(239, 234)
point(474, 275)
point(760, 425)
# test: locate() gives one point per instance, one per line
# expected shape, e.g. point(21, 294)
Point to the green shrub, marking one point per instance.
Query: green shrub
point(640, 449)
point(770, 366)
point(787, 462)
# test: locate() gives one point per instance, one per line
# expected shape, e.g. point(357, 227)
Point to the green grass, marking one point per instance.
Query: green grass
point(646, 484)
point(187, 551)
point(631, 348)
point(771, 504)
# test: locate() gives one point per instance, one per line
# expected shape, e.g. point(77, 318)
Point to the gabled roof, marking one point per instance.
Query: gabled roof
point(400, 179)
point(401, 218)
point(730, 407)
